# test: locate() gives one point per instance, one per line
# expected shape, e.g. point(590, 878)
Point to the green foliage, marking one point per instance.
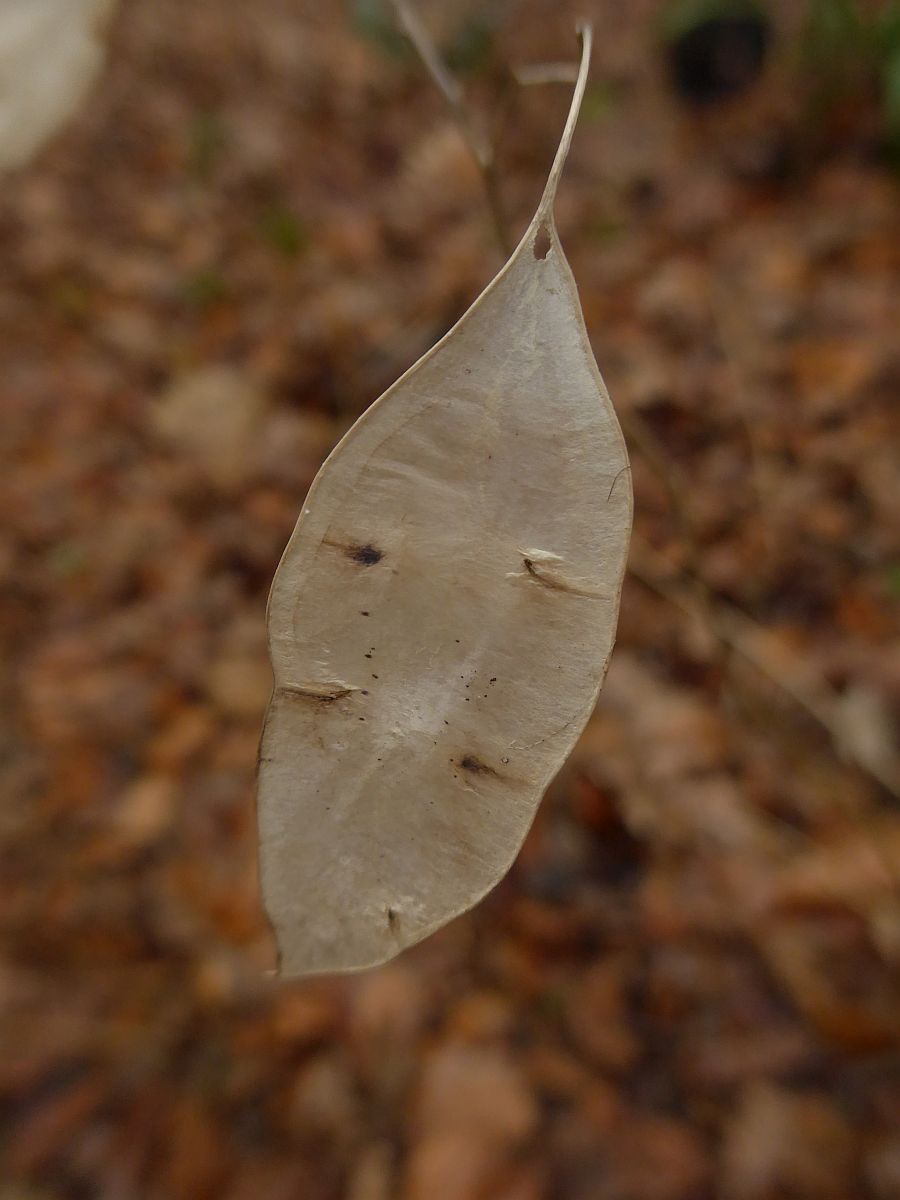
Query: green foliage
point(887, 49)
point(66, 559)
point(207, 140)
point(204, 288)
point(846, 44)
point(892, 578)
point(71, 298)
point(372, 21)
point(283, 231)
point(679, 17)
point(890, 102)
point(470, 49)
point(834, 30)
point(599, 100)
point(605, 228)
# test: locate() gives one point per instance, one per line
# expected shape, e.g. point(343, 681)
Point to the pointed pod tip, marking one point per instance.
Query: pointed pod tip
point(585, 32)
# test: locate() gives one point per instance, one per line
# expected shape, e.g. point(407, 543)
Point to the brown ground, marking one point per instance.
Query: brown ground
point(688, 986)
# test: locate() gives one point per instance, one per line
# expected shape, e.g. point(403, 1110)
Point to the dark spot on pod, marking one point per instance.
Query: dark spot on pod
point(475, 766)
point(392, 917)
point(366, 556)
point(363, 613)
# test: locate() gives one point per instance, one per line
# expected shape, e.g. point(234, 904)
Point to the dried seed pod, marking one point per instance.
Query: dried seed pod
point(441, 621)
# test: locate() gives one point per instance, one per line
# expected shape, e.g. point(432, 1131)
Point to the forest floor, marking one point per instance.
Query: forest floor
point(687, 988)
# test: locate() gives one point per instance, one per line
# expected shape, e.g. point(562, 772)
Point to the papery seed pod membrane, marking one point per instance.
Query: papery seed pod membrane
point(441, 621)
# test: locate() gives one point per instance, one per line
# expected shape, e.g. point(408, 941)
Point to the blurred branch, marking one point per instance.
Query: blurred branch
point(481, 148)
point(736, 341)
point(742, 634)
point(540, 73)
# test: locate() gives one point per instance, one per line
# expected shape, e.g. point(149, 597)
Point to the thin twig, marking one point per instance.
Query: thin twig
point(541, 73)
point(480, 146)
point(548, 199)
point(734, 333)
point(741, 633)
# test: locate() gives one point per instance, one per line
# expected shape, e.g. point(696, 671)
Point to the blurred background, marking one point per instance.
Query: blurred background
point(688, 986)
